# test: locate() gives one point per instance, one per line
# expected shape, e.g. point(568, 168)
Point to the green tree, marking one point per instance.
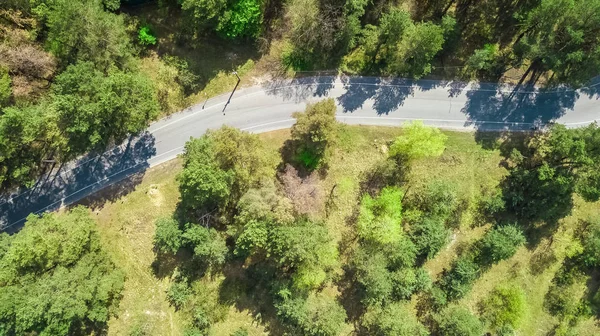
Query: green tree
point(208, 245)
point(55, 278)
point(559, 36)
point(372, 275)
point(429, 236)
point(219, 168)
point(500, 243)
point(547, 173)
point(314, 132)
point(416, 50)
point(94, 109)
point(379, 219)
point(418, 141)
point(591, 245)
point(167, 237)
point(84, 31)
point(458, 321)
point(306, 249)
point(317, 315)
point(505, 306)
point(394, 319)
point(27, 136)
point(243, 19)
point(458, 281)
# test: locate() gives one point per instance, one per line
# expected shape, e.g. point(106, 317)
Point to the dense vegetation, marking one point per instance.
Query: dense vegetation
point(55, 53)
point(272, 232)
point(78, 76)
point(56, 279)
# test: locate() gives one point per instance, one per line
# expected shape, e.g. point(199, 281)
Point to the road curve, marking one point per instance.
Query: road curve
point(360, 100)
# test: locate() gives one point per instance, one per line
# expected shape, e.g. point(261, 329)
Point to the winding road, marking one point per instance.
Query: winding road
point(263, 108)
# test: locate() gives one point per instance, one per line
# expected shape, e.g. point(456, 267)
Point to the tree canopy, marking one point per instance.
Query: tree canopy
point(56, 278)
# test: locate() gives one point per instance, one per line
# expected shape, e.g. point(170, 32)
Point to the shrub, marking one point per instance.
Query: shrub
point(178, 293)
point(167, 237)
point(458, 321)
point(459, 280)
point(505, 307)
point(394, 319)
point(429, 236)
point(146, 37)
point(418, 141)
point(500, 243)
point(380, 218)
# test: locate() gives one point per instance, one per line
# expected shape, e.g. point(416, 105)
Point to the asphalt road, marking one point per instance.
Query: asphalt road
point(360, 100)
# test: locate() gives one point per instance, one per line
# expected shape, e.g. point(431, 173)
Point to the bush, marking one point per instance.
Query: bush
point(500, 243)
point(178, 293)
point(146, 37)
point(505, 307)
point(208, 245)
point(439, 199)
point(394, 319)
point(315, 315)
point(429, 236)
point(458, 321)
point(5, 90)
point(167, 237)
point(458, 281)
point(380, 218)
point(418, 141)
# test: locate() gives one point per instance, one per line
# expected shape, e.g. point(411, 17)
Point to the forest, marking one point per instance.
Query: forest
point(323, 229)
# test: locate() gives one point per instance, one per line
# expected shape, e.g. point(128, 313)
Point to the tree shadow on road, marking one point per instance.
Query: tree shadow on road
point(76, 180)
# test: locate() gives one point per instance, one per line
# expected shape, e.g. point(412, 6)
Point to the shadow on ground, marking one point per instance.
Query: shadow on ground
point(79, 179)
point(487, 106)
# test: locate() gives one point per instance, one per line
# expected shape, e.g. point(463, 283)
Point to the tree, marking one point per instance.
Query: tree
point(167, 237)
point(56, 278)
point(243, 19)
point(27, 135)
point(220, 167)
point(591, 245)
point(500, 243)
point(545, 175)
point(94, 109)
point(372, 275)
point(394, 319)
point(438, 200)
point(313, 133)
point(418, 141)
point(304, 249)
point(83, 31)
point(317, 315)
point(416, 50)
point(208, 245)
point(505, 307)
point(459, 280)
point(429, 236)
point(564, 44)
point(458, 321)
point(379, 219)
